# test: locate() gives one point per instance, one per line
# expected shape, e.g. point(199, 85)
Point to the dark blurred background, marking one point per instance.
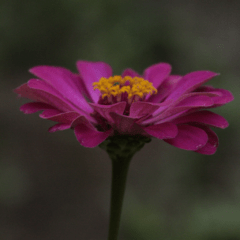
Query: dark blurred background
point(53, 188)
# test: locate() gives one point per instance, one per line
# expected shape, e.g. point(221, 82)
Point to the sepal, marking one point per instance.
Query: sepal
point(123, 147)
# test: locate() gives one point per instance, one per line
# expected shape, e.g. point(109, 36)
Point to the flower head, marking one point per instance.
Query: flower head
point(99, 105)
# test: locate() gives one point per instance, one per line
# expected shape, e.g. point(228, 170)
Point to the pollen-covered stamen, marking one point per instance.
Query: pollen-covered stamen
point(117, 89)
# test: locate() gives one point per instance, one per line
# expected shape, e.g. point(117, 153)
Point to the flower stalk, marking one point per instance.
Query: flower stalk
point(119, 177)
point(121, 149)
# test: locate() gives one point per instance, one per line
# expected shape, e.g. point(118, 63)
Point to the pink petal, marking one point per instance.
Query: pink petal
point(224, 97)
point(44, 86)
point(55, 115)
point(162, 131)
point(212, 144)
point(105, 110)
point(67, 117)
point(42, 96)
point(88, 136)
point(165, 88)
point(130, 72)
point(83, 88)
point(33, 107)
point(140, 109)
point(157, 73)
point(189, 138)
point(126, 125)
point(205, 117)
point(65, 82)
point(92, 72)
point(59, 127)
point(186, 102)
point(190, 82)
point(195, 99)
point(172, 117)
point(41, 85)
point(49, 113)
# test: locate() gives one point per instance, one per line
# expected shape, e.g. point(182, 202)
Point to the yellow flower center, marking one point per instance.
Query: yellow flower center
point(118, 89)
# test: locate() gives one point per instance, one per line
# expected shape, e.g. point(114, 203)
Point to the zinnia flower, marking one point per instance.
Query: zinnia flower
point(98, 105)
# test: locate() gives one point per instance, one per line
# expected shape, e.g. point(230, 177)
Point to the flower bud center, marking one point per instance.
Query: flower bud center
point(117, 88)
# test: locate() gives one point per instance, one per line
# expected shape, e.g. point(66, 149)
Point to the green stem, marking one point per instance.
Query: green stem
point(121, 149)
point(119, 177)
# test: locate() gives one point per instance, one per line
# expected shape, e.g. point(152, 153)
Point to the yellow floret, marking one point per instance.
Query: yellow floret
point(116, 85)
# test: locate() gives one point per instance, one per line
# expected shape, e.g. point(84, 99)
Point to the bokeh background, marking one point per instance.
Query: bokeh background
point(53, 188)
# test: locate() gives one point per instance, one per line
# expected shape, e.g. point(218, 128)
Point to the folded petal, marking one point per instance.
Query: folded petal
point(205, 117)
point(189, 138)
point(67, 117)
point(224, 97)
point(65, 82)
point(49, 113)
point(140, 109)
point(221, 97)
point(105, 110)
point(157, 73)
point(185, 103)
point(130, 72)
point(212, 143)
point(42, 96)
point(195, 99)
point(33, 107)
point(162, 131)
point(59, 127)
point(126, 125)
point(87, 135)
point(92, 72)
point(44, 86)
point(190, 82)
point(165, 88)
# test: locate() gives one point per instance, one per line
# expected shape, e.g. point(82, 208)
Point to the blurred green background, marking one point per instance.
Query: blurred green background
point(53, 188)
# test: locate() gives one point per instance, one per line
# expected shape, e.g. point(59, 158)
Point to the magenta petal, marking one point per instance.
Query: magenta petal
point(41, 85)
point(33, 107)
point(189, 138)
point(162, 131)
point(49, 113)
point(196, 101)
point(140, 109)
point(221, 97)
point(64, 81)
point(58, 77)
point(42, 96)
point(157, 73)
point(67, 117)
point(224, 98)
point(55, 115)
point(190, 82)
point(123, 124)
point(44, 86)
point(212, 144)
point(191, 100)
point(186, 101)
point(59, 127)
point(105, 110)
point(87, 135)
point(205, 117)
point(165, 88)
point(130, 72)
point(126, 125)
point(92, 72)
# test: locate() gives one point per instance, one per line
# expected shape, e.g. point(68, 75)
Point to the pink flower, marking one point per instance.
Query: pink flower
point(98, 105)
